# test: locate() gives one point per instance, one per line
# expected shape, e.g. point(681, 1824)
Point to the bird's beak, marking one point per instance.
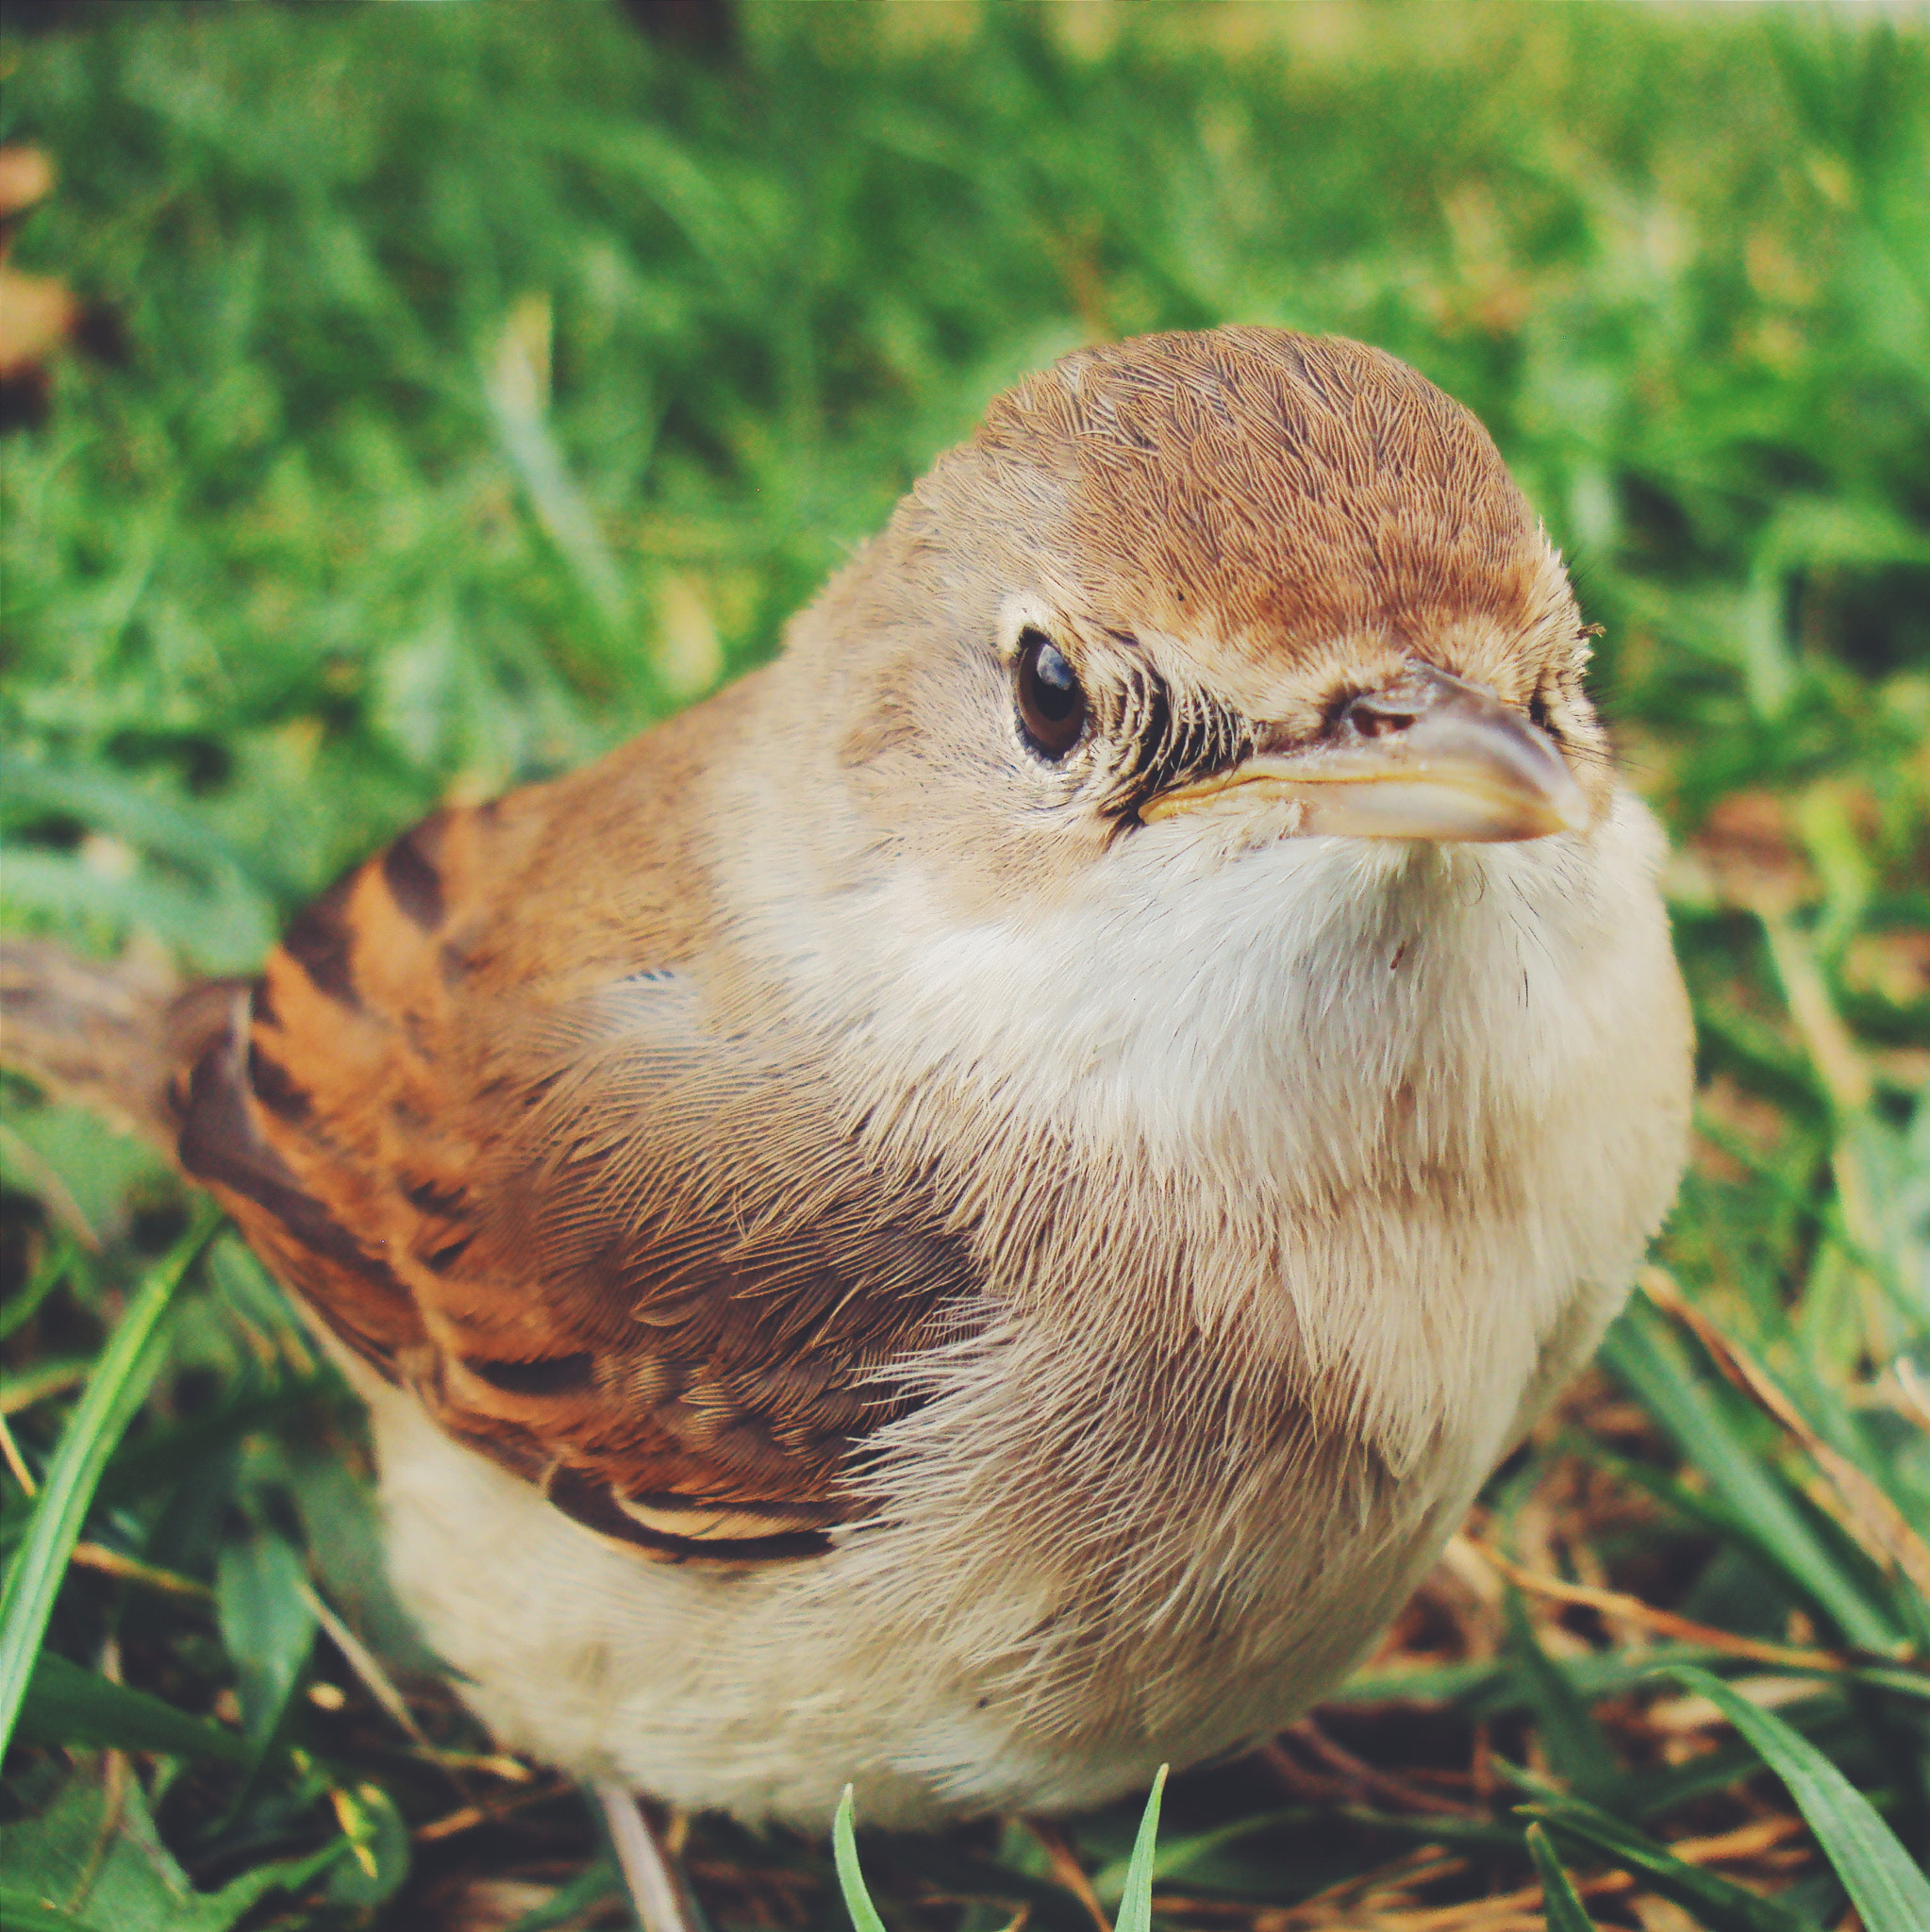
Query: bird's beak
point(1428, 756)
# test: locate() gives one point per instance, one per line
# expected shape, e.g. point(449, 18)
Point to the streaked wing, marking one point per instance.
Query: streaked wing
point(477, 1114)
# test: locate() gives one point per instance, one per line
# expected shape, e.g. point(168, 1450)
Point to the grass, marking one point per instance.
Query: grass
point(466, 386)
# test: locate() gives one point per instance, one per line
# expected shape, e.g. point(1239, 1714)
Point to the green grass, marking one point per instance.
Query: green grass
point(472, 384)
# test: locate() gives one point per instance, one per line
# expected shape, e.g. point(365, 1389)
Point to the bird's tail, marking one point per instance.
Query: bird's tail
point(111, 1035)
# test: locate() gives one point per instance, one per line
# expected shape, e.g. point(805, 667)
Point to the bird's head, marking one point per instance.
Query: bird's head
point(1212, 590)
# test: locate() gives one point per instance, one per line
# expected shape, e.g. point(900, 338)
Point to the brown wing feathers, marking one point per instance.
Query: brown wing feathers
point(613, 1249)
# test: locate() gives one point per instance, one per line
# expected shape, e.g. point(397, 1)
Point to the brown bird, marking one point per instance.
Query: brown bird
point(969, 1215)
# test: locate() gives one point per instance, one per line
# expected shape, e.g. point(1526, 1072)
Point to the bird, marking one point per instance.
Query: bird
point(966, 1217)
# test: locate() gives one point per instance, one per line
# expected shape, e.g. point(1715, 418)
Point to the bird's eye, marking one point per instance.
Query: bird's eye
point(1051, 701)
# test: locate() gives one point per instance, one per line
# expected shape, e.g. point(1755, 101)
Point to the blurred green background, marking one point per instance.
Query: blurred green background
point(456, 388)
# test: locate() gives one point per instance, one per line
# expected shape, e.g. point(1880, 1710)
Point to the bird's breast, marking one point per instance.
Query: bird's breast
point(1292, 1194)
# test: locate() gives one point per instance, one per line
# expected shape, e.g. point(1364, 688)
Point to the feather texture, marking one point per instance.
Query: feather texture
point(518, 1170)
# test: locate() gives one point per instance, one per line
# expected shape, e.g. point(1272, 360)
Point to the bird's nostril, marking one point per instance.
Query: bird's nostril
point(1375, 717)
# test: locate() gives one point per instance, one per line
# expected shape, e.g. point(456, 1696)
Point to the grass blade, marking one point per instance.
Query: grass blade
point(1864, 1508)
point(857, 1901)
point(1135, 1897)
point(1717, 1903)
point(1885, 1884)
point(1560, 1904)
point(67, 1703)
point(571, 1901)
point(18, 1310)
point(267, 1622)
point(1578, 1751)
point(113, 1392)
point(1177, 1856)
point(1640, 1352)
point(19, 1913)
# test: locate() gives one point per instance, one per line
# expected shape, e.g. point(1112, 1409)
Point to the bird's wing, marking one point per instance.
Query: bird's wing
point(489, 1133)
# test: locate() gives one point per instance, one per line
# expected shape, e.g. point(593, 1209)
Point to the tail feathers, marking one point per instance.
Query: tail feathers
point(111, 1035)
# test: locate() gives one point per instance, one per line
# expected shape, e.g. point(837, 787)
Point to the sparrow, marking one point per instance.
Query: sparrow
point(967, 1217)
